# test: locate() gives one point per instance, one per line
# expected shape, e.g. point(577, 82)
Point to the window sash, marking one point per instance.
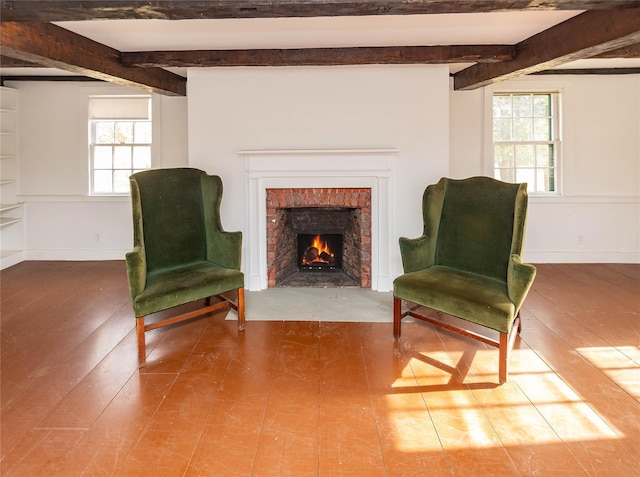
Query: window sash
point(122, 145)
point(520, 160)
point(112, 162)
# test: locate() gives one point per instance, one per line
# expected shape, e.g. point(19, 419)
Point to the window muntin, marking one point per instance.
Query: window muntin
point(119, 141)
point(526, 139)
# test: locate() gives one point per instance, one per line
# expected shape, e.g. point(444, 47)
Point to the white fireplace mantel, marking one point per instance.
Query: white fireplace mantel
point(318, 168)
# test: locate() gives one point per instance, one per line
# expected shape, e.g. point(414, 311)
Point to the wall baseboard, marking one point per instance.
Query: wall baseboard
point(12, 259)
point(579, 256)
point(384, 282)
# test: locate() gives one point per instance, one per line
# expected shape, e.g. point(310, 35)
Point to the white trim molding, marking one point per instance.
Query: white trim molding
point(318, 168)
point(584, 229)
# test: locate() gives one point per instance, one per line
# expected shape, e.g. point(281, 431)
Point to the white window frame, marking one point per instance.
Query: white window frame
point(526, 87)
point(92, 122)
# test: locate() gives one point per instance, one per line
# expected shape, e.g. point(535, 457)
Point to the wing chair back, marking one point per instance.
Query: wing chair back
point(170, 210)
point(479, 224)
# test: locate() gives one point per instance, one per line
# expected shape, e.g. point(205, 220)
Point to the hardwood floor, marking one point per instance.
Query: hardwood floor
point(315, 398)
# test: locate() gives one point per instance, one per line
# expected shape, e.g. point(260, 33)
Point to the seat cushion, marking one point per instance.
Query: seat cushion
point(177, 286)
point(469, 296)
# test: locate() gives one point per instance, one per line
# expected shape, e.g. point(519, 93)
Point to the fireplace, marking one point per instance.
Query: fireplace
point(355, 179)
point(319, 237)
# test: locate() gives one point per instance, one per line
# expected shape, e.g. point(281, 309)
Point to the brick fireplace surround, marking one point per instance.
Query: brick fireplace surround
point(278, 200)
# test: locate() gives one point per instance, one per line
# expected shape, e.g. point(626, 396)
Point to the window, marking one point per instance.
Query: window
point(119, 141)
point(526, 139)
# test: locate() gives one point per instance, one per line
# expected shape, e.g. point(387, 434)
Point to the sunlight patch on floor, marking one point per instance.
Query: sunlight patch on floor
point(412, 431)
point(618, 364)
point(535, 395)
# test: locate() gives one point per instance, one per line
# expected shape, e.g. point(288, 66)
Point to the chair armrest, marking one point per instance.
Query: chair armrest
point(136, 270)
point(519, 279)
point(225, 249)
point(415, 253)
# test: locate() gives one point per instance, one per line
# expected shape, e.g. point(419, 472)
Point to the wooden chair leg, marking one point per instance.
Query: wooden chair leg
point(503, 357)
point(397, 318)
point(241, 315)
point(142, 352)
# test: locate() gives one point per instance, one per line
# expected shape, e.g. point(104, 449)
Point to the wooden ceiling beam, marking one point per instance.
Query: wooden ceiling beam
point(73, 10)
point(8, 62)
point(583, 36)
point(590, 71)
point(51, 46)
point(47, 78)
point(629, 51)
point(322, 56)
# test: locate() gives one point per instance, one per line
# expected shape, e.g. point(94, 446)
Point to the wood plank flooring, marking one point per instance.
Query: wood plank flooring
point(294, 398)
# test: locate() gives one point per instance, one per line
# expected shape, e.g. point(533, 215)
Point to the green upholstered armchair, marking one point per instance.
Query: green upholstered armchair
point(467, 263)
point(181, 253)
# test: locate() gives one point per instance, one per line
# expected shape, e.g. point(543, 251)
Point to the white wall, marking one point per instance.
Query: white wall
point(597, 216)
point(435, 130)
point(388, 107)
point(61, 220)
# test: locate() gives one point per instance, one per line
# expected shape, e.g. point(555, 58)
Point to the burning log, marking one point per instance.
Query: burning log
point(325, 257)
point(310, 255)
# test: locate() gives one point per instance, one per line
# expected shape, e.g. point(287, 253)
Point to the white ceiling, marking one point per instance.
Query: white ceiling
point(319, 32)
point(324, 32)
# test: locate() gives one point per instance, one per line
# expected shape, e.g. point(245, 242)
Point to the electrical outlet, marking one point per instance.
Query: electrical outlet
point(580, 239)
point(98, 238)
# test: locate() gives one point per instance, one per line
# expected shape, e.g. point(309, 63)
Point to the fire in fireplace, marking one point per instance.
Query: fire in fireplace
point(320, 252)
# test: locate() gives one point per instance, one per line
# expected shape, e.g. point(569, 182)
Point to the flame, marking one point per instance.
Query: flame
point(322, 247)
